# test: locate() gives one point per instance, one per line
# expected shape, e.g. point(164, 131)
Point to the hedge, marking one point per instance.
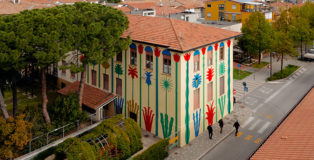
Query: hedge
point(158, 151)
point(285, 72)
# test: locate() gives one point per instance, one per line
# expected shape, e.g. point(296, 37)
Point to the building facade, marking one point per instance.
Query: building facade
point(168, 85)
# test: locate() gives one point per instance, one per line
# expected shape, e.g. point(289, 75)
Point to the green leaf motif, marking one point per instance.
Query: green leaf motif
point(222, 68)
point(118, 69)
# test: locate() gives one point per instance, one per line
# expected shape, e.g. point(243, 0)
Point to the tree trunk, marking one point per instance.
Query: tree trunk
point(301, 50)
point(281, 62)
point(259, 57)
point(14, 93)
point(44, 95)
point(81, 87)
point(2, 105)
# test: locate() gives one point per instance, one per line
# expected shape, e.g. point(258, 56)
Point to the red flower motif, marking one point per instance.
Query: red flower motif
point(228, 43)
point(210, 114)
point(210, 73)
point(157, 52)
point(140, 49)
point(132, 72)
point(203, 50)
point(187, 56)
point(176, 58)
point(216, 46)
point(148, 118)
point(82, 58)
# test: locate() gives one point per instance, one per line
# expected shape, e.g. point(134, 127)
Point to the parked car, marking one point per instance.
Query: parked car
point(309, 55)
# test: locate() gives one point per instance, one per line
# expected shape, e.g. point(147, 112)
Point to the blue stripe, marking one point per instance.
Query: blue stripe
point(166, 52)
point(148, 49)
point(209, 48)
point(222, 44)
point(132, 45)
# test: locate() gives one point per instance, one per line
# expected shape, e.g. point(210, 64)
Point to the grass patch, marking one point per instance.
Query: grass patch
point(242, 75)
point(285, 73)
point(259, 66)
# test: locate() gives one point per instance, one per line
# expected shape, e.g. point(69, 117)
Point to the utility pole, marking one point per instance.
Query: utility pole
point(271, 65)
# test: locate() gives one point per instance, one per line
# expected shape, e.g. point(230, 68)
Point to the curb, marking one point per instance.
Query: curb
point(213, 146)
point(286, 77)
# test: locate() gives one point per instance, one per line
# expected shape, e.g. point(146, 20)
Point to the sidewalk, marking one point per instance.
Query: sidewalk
point(202, 144)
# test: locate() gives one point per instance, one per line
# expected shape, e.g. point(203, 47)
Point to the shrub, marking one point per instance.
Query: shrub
point(285, 72)
point(45, 154)
point(157, 151)
point(75, 149)
point(66, 110)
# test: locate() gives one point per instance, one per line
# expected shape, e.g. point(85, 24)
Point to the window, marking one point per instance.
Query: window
point(94, 77)
point(234, 17)
point(119, 87)
point(209, 5)
point(210, 92)
point(222, 85)
point(167, 64)
point(234, 6)
point(72, 75)
point(133, 56)
point(221, 7)
point(227, 17)
point(196, 99)
point(209, 57)
point(209, 14)
point(106, 82)
point(149, 60)
point(119, 57)
point(63, 70)
point(221, 54)
point(196, 62)
point(186, 18)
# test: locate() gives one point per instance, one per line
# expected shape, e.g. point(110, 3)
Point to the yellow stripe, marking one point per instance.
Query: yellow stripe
point(258, 140)
point(239, 134)
point(173, 140)
point(248, 137)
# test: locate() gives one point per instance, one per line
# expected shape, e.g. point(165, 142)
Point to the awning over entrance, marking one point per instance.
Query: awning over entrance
point(93, 98)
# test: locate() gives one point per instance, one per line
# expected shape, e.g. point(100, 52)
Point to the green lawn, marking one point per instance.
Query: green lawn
point(262, 65)
point(243, 74)
point(287, 71)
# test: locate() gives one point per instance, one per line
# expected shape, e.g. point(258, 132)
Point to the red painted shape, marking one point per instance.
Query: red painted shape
point(176, 58)
point(234, 91)
point(269, 66)
point(228, 43)
point(140, 49)
point(157, 52)
point(210, 73)
point(203, 50)
point(187, 56)
point(210, 114)
point(216, 46)
point(82, 58)
point(132, 72)
point(148, 118)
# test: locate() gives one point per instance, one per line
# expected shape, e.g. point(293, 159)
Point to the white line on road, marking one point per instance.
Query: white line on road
point(277, 92)
point(247, 122)
point(261, 130)
point(258, 107)
point(254, 124)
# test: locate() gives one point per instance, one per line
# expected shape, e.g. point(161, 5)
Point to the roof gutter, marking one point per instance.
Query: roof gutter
point(107, 102)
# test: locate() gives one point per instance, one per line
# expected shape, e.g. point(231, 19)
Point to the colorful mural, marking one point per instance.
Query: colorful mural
point(118, 69)
point(229, 77)
point(197, 80)
point(197, 121)
point(222, 68)
point(210, 73)
point(203, 53)
point(118, 104)
point(216, 75)
point(112, 65)
point(133, 74)
point(133, 108)
point(187, 115)
point(125, 80)
point(176, 58)
point(222, 102)
point(166, 127)
point(147, 112)
point(140, 50)
point(157, 54)
point(210, 113)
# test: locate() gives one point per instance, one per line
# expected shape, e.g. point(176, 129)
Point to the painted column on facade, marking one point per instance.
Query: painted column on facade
point(125, 80)
point(112, 79)
point(203, 52)
point(140, 50)
point(229, 77)
point(157, 54)
point(187, 115)
point(222, 99)
point(216, 76)
point(176, 58)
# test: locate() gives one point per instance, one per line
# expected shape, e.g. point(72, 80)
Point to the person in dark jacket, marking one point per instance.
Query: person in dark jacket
point(210, 131)
point(236, 125)
point(221, 125)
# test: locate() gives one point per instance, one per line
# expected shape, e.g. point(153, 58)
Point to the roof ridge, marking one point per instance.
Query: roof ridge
point(175, 33)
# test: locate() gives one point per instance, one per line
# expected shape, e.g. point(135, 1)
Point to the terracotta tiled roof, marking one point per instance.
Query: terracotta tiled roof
point(294, 138)
point(7, 7)
point(164, 10)
point(123, 9)
point(141, 4)
point(92, 97)
point(176, 34)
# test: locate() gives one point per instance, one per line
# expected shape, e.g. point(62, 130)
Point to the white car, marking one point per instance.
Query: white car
point(309, 55)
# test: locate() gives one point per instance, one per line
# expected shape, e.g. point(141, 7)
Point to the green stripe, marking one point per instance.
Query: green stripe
point(216, 68)
point(111, 75)
point(125, 84)
point(203, 93)
point(229, 82)
point(140, 91)
point(156, 96)
point(99, 76)
point(187, 116)
point(176, 98)
point(87, 73)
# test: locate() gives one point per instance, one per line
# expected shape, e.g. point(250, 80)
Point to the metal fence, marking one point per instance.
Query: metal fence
point(57, 134)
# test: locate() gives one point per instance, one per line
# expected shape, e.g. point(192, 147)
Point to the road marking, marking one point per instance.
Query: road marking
point(277, 92)
point(248, 137)
point(261, 130)
point(254, 124)
point(239, 134)
point(247, 122)
point(258, 140)
point(258, 107)
point(268, 116)
point(298, 73)
point(261, 114)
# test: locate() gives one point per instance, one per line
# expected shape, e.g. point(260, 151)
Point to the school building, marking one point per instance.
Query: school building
point(175, 78)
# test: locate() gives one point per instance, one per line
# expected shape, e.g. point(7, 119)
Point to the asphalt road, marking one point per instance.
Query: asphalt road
point(270, 103)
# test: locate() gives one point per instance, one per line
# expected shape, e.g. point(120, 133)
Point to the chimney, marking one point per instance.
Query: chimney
point(15, 1)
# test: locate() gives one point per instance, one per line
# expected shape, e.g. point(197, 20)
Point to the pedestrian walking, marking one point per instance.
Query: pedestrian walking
point(221, 125)
point(236, 125)
point(210, 131)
